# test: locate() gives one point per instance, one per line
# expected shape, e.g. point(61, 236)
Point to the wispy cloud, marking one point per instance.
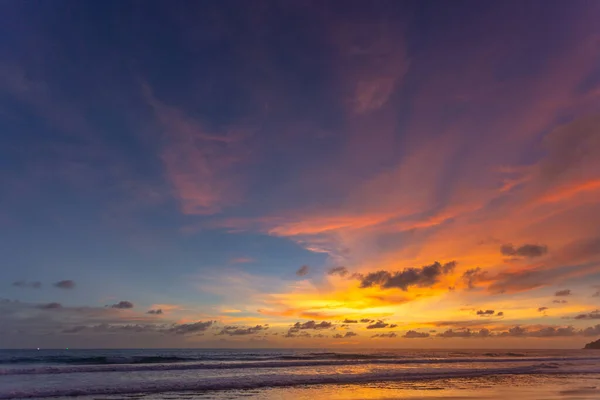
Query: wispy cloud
point(199, 164)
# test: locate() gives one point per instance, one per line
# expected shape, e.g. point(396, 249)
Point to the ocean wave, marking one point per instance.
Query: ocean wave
point(279, 380)
point(157, 359)
point(96, 360)
point(163, 359)
point(276, 364)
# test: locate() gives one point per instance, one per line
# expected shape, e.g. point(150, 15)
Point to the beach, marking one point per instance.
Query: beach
point(299, 374)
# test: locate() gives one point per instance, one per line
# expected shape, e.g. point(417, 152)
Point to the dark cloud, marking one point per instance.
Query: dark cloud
point(597, 294)
point(483, 332)
point(347, 335)
point(341, 271)
point(378, 325)
point(566, 292)
point(415, 335)
point(472, 276)
point(366, 320)
point(542, 309)
point(25, 284)
point(560, 301)
point(155, 312)
point(465, 333)
point(515, 331)
point(296, 334)
point(393, 325)
point(50, 306)
point(521, 332)
point(451, 333)
point(122, 305)
point(303, 270)
point(350, 321)
point(427, 275)
point(184, 329)
point(500, 314)
point(527, 250)
point(385, 335)
point(592, 315)
point(554, 332)
point(240, 331)
point(483, 313)
point(591, 331)
point(310, 325)
point(66, 284)
point(115, 329)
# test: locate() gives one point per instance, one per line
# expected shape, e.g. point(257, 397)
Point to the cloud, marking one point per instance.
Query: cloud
point(122, 305)
point(385, 335)
point(560, 301)
point(25, 284)
point(50, 306)
point(200, 165)
point(515, 331)
point(451, 333)
point(66, 284)
point(366, 320)
point(565, 292)
point(472, 276)
point(296, 334)
point(523, 332)
point(592, 315)
point(415, 335)
point(483, 313)
point(184, 329)
point(555, 332)
point(526, 250)
point(425, 276)
point(155, 312)
point(241, 331)
point(341, 271)
point(596, 294)
point(303, 270)
point(347, 335)
point(542, 309)
point(591, 331)
point(500, 314)
point(378, 325)
point(310, 325)
point(350, 321)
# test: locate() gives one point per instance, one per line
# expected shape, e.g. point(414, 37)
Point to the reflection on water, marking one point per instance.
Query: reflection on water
point(533, 387)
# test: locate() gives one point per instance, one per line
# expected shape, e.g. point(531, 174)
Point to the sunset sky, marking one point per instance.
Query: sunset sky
point(300, 174)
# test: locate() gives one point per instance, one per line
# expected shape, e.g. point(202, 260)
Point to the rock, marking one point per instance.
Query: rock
point(593, 345)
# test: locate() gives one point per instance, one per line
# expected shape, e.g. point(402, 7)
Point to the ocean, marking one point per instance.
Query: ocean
point(299, 374)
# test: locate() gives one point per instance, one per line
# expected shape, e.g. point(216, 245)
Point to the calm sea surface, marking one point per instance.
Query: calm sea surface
point(299, 374)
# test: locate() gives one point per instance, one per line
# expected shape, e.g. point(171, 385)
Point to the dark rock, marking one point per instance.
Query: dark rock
point(593, 345)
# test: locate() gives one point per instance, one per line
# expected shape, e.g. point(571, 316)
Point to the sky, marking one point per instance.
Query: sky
point(408, 174)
